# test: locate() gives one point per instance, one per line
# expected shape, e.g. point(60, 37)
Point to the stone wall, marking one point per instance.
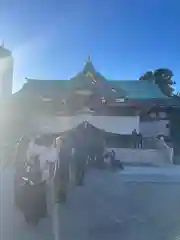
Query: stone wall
point(167, 151)
point(155, 157)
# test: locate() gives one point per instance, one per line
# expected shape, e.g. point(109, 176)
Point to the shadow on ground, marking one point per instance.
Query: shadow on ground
point(107, 207)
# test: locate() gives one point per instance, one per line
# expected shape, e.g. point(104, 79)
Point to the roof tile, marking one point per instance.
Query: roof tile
point(132, 89)
point(137, 89)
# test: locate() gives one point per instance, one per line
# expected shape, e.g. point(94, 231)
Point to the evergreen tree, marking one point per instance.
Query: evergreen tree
point(162, 77)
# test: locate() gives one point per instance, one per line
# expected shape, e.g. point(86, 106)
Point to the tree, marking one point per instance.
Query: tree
point(162, 77)
point(147, 76)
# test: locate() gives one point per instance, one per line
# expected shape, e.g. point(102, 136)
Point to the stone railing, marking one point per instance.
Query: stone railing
point(167, 151)
point(155, 157)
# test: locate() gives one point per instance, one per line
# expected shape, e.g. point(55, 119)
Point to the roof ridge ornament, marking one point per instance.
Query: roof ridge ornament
point(89, 59)
point(88, 67)
point(89, 74)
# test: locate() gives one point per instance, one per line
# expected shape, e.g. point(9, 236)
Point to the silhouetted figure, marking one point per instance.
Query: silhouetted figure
point(30, 193)
point(81, 153)
point(100, 156)
point(113, 159)
point(34, 202)
point(62, 175)
point(80, 159)
point(134, 138)
point(91, 154)
point(140, 140)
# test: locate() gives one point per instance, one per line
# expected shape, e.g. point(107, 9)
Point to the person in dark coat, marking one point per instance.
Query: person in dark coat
point(113, 159)
point(34, 202)
point(99, 156)
point(80, 165)
point(32, 194)
point(62, 175)
point(140, 140)
point(80, 157)
point(135, 138)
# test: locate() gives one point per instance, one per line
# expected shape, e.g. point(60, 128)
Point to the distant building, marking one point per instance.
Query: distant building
point(115, 106)
point(6, 72)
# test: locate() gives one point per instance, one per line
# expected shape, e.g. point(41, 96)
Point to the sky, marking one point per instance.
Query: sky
point(51, 39)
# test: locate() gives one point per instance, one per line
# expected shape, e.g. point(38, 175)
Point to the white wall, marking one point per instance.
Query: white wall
point(154, 128)
point(54, 124)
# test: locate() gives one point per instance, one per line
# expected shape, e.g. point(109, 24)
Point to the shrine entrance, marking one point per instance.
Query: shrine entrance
point(85, 138)
point(88, 134)
point(89, 139)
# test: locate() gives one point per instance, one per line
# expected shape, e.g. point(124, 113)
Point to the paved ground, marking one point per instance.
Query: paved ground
point(12, 225)
point(108, 207)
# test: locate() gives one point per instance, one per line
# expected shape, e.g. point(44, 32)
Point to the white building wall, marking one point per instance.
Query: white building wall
point(114, 124)
point(154, 128)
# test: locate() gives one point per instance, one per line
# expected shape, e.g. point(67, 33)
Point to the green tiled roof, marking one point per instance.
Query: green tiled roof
point(139, 89)
point(46, 85)
point(133, 89)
